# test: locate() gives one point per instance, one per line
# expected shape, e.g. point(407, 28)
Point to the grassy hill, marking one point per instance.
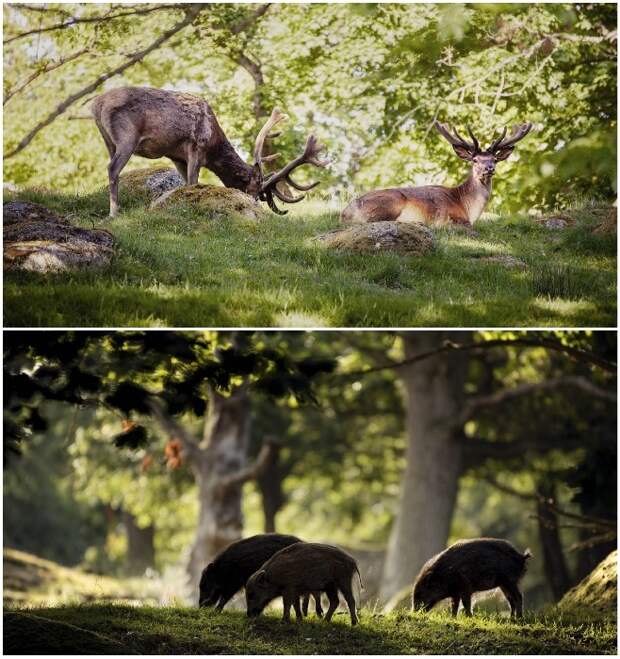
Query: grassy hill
point(33, 581)
point(178, 267)
point(105, 628)
point(49, 609)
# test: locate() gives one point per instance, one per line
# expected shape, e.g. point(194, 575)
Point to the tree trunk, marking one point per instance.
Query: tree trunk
point(434, 392)
point(554, 561)
point(140, 545)
point(270, 485)
point(220, 519)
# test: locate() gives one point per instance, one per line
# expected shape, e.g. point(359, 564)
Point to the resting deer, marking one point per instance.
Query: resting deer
point(154, 123)
point(436, 204)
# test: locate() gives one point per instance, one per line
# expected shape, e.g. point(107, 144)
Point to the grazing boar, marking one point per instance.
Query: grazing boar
point(302, 568)
point(232, 567)
point(471, 566)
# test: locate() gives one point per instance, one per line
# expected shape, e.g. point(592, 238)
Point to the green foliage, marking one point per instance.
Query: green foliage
point(369, 79)
point(146, 630)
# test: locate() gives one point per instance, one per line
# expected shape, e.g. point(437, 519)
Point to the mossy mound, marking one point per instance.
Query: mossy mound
point(598, 592)
point(406, 238)
point(214, 200)
point(39, 240)
point(151, 182)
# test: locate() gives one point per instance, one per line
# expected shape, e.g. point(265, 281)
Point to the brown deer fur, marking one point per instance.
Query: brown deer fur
point(436, 204)
point(155, 123)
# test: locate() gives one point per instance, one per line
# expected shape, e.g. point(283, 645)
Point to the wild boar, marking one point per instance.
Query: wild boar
point(306, 567)
point(232, 567)
point(471, 566)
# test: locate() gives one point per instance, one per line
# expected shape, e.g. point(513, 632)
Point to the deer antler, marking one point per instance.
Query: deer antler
point(259, 158)
point(308, 157)
point(456, 140)
point(503, 143)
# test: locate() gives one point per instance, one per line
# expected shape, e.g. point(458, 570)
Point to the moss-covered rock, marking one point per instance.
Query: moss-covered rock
point(407, 238)
point(39, 240)
point(150, 182)
point(598, 592)
point(216, 201)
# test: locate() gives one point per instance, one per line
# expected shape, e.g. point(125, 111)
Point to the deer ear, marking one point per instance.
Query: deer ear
point(462, 152)
point(503, 154)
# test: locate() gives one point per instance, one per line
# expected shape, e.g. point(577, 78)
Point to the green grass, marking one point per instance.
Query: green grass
point(176, 267)
point(146, 630)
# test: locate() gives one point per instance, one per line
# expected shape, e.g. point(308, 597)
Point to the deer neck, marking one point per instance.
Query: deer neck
point(228, 166)
point(474, 195)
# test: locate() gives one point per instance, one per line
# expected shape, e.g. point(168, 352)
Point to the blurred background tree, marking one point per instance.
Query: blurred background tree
point(417, 439)
point(369, 79)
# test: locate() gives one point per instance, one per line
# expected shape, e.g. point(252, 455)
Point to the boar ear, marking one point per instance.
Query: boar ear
point(261, 578)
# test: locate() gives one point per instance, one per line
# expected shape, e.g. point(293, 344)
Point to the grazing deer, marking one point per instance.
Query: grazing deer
point(436, 204)
point(154, 123)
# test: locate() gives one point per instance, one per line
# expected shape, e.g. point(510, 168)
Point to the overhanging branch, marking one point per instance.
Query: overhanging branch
point(192, 12)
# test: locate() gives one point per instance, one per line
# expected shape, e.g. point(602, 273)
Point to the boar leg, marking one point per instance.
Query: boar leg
point(455, 605)
point(332, 594)
point(287, 602)
point(466, 599)
point(347, 592)
point(317, 603)
point(305, 603)
point(297, 607)
point(515, 599)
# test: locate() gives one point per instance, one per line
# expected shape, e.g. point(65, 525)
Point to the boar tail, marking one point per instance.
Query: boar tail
point(357, 590)
point(527, 554)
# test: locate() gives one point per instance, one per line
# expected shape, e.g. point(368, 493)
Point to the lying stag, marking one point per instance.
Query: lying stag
point(154, 123)
point(436, 204)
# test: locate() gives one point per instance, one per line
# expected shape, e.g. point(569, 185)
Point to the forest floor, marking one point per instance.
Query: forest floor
point(49, 609)
point(116, 629)
point(176, 267)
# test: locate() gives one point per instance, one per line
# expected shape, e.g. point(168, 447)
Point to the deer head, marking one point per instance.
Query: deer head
point(483, 160)
point(265, 187)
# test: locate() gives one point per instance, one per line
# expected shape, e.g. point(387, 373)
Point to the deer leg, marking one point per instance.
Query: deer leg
point(193, 169)
point(117, 162)
point(182, 169)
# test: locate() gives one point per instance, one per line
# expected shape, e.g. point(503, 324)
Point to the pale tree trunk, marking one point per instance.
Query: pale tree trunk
point(270, 486)
point(223, 454)
point(434, 395)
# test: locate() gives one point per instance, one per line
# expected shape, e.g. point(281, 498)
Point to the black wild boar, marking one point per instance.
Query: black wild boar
point(471, 566)
point(306, 567)
point(232, 567)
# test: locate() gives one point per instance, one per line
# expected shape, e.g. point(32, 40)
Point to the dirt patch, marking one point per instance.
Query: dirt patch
point(215, 201)
point(39, 240)
point(151, 182)
point(405, 238)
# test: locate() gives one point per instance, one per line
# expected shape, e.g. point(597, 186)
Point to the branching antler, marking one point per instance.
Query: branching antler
point(504, 144)
point(472, 148)
point(264, 134)
point(310, 156)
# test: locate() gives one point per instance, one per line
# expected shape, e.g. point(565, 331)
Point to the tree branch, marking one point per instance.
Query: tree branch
point(498, 397)
point(50, 66)
point(91, 19)
point(191, 14)
point(584, 356)
point(551, 506)
point(251, 472)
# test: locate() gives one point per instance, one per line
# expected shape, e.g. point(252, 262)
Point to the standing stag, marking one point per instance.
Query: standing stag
point(154, 123)
point(436, 204)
